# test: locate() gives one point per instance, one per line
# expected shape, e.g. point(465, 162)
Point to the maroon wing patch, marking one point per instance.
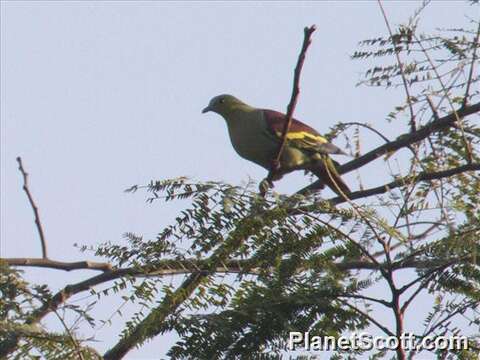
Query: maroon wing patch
point(276, 121)
point(299, 135)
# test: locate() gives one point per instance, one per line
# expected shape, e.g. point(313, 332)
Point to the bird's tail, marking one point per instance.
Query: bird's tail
point(327, 172)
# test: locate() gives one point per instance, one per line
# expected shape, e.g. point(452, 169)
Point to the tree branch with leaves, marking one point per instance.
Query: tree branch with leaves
point(252, 267)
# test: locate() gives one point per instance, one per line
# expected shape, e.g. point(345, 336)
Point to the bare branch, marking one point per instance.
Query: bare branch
point(308, 31)
point(34, 207)
point(58, 265)
point(418, 290)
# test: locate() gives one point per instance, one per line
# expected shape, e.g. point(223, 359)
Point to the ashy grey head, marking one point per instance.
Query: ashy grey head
point(222, 104)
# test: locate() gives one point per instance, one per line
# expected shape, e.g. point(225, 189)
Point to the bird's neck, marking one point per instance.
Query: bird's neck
point(237, 111)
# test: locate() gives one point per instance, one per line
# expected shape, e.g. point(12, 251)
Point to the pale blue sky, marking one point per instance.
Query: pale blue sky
point(98, 96)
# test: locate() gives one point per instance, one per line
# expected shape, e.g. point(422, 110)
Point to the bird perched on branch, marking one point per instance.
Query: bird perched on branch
point(256, 135)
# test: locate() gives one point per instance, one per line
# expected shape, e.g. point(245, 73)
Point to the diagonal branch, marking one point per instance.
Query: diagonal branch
point(368, 317)
point(34, 208)
point(154, 322)
point(410, 138)
point(457, 310)
point(402, 141)
point(308, 31)
point(424, 176)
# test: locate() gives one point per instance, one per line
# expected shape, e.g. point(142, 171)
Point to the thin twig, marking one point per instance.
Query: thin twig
point(400, 65)
point(367, 127)
point(367, 298)
point(432, 107)
point(345, 236)
point(368, 317)
point(34, 208)
point(422, 286)
point(75, 343)
point(308, 31)
point(458, 310)
point(459, 122)
point(470, 74)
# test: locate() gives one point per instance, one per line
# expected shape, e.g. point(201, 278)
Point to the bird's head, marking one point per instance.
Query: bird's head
point(224, 104)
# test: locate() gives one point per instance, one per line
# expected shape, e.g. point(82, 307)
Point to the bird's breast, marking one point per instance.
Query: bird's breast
point(251, 142)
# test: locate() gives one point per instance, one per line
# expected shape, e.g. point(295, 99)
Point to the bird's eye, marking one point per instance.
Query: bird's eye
point(221, 101)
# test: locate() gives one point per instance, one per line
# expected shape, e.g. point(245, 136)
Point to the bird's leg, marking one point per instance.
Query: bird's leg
point(275, 166)
point(273, 175)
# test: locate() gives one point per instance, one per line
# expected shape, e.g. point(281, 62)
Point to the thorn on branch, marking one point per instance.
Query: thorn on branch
point(38, 224)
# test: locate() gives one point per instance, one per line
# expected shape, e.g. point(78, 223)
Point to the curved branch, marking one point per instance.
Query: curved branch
point(368, 127)
point(38, 224)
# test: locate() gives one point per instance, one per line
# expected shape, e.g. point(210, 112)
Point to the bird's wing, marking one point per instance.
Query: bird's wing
point(299, 134)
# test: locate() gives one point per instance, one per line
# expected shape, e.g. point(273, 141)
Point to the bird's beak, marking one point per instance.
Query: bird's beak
point(207, 109)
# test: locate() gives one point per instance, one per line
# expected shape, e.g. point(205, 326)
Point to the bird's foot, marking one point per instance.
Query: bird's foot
point(264, 186)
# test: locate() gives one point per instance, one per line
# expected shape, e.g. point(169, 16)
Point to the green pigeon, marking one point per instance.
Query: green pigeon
point(256, 134)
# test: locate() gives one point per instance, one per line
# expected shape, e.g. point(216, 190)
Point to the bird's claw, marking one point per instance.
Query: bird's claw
point(264, 186)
